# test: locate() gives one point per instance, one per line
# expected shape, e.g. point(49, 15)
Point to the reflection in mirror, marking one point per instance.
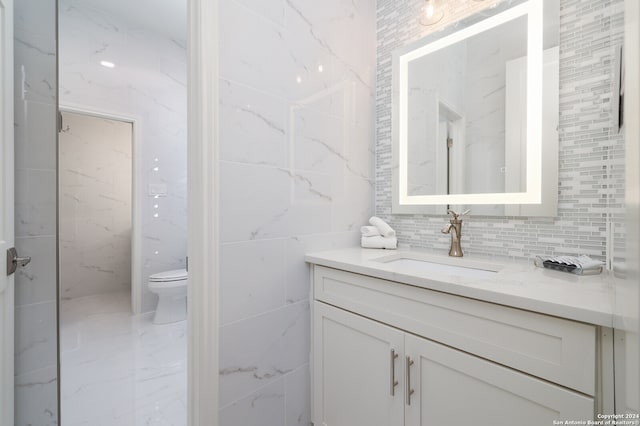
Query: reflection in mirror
point(456, 113)
point(466, 116)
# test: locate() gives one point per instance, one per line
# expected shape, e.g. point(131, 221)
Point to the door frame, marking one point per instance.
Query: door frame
point(203, 212)
point(627, 294)
point(136, 191)
point(7, 294)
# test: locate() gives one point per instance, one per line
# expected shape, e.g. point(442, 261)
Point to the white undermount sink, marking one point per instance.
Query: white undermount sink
point(408, 263)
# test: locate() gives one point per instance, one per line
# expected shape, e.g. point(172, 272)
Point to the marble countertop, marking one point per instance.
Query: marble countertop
point(518, 284)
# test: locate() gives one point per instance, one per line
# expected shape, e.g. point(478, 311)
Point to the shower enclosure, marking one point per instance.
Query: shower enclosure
point(35, 112)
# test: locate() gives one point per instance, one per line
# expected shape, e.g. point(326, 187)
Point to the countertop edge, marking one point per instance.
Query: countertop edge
point(559, 310)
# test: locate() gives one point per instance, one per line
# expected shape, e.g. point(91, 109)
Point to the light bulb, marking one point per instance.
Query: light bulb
point(432, 13)
point(429, 11)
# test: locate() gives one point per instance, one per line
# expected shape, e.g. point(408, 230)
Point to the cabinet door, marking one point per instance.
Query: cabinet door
point(455, 388)
point(354, 369)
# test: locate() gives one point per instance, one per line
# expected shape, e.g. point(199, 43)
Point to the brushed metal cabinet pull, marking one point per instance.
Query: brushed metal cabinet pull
point(393, 382)
point(409, 390)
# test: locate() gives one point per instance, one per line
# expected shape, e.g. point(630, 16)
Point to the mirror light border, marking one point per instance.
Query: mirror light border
point(533, 9)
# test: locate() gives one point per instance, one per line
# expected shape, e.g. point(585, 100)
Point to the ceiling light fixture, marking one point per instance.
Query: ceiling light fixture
point(432, 13)
point(107, 64)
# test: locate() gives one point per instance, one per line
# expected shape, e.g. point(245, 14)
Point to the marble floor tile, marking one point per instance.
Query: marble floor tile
point(119, 369)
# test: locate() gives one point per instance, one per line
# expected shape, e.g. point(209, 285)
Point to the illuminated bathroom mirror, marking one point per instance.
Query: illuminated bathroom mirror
point(475, 115)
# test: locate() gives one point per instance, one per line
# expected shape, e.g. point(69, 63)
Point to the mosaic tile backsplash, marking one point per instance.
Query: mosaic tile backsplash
point(591, 156)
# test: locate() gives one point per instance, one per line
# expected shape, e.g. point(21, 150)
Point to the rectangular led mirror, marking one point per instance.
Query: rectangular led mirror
point(474, 110)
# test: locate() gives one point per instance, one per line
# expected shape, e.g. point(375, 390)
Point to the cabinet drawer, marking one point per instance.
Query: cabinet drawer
point(555, 349)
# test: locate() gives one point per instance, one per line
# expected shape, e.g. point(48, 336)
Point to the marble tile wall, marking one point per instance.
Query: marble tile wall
point(94, 170)
point(296, 172)
point(35, 98)
point(591, 180)
point(148, 83)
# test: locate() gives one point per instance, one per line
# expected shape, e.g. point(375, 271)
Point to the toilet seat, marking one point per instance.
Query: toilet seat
point(167, 284)
point(169, 276)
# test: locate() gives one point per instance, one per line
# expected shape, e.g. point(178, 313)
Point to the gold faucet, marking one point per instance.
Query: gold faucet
point(456, 224)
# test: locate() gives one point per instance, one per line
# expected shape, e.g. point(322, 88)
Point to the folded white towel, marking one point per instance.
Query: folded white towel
point(383, 227)
point(369, 231)
point(379, 242)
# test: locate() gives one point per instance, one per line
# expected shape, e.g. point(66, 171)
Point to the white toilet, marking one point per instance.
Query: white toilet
point(171, 288)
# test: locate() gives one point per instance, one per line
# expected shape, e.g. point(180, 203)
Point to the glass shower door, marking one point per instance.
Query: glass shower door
point(35, 112)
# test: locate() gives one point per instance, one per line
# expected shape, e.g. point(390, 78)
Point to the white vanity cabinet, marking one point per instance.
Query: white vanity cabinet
point(357, 370)
point(389, 354)
point(455, 388)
